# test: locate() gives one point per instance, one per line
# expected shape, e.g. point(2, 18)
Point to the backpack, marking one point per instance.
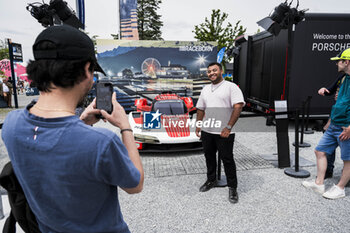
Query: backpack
point(20, 210)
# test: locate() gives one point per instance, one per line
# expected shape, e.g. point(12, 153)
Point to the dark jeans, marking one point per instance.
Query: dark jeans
point(213, 143)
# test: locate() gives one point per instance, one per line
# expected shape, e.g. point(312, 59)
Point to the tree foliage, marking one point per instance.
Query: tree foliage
point(4, 50)
point(148, 20)
point(214, 29)
point(93, 38)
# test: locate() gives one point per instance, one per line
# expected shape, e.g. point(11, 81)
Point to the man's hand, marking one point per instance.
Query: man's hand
point(200, 115)
point(345, 135)
point(198, 130)
point(118, 117)
point(225, 133)
point(322, 91)
point(90, 113)
point(327, 124)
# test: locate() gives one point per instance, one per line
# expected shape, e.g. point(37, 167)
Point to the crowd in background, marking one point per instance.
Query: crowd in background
point(6, 89)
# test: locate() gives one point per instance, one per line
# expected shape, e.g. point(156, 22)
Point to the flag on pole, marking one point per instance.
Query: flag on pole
point(221, 54)
point(81, 11)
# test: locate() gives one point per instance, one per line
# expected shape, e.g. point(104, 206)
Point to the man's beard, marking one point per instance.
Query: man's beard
point(216, 80)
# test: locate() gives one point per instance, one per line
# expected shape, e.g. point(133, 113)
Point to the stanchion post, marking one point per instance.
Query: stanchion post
point(302, 143)
point(221, 181)
point(296, 159)
point(302, 123)
point(282, 134)
point(307, 131)
point(296, 172)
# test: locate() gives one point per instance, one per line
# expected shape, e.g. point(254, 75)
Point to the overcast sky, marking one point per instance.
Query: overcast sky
point(179, 16)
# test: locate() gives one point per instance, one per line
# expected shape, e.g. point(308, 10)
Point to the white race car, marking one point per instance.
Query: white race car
point(176, 128)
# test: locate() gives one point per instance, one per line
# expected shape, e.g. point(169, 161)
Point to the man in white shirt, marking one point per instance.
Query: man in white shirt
point(6, 92)
point(219, 107)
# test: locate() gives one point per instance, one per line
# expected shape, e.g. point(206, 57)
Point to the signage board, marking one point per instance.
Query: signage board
point(17, 52)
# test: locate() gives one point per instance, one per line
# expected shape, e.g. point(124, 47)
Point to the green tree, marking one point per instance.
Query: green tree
point(93, 38)
point(148, 20)
point(214, 29)
point(4, 50)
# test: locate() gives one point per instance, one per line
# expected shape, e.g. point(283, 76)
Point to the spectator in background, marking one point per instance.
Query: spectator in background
point(7, 91)
point(20, 86)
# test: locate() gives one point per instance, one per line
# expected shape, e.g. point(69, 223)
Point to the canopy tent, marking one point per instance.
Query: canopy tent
point(24, 76)
point(19, 69)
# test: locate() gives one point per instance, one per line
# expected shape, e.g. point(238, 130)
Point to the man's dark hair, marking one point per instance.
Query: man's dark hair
point(61, 73)
point(215, 63)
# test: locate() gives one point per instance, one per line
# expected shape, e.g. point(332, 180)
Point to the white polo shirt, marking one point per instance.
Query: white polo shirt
point(217, 102)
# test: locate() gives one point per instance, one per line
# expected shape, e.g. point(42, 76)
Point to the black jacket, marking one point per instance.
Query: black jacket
point(20, 210)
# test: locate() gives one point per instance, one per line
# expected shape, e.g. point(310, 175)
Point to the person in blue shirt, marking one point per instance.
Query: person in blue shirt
point(69, 171)
point(337, 134)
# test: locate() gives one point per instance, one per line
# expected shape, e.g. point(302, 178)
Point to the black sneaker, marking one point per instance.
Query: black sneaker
point(232, 195)
point(207, 186)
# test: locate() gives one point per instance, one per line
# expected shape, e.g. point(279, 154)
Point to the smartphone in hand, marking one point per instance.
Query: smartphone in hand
point(104, 91)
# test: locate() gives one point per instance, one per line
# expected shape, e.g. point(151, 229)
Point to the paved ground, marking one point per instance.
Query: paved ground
point(270, 201)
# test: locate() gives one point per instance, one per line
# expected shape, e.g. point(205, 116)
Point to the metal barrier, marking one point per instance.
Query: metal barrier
point(283, 144)
point(296, 172)
point(301, 142)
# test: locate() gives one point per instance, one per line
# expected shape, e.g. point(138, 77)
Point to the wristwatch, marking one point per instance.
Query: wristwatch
point(229, 127)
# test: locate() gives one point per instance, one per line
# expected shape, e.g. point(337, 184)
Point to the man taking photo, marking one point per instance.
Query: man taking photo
point(70, 171)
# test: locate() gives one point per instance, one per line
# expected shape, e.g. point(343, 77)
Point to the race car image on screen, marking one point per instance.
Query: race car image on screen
point(176, 129)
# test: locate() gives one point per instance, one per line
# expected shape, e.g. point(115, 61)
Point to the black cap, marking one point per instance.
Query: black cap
point(71, 44)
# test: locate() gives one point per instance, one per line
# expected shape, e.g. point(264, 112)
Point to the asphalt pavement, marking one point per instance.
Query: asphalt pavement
point(269, 200)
